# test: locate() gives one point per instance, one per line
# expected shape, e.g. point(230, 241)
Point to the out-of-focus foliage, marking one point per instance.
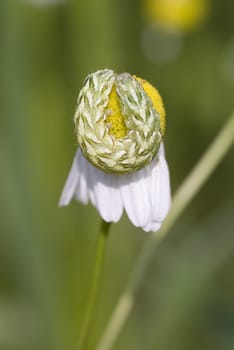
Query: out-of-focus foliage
point(46, 252)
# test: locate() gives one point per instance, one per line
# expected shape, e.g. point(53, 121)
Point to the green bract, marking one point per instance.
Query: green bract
point(142, 140)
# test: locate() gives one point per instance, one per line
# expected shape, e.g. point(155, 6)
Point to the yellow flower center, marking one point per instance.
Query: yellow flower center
point(115, 119)
point(156, 100)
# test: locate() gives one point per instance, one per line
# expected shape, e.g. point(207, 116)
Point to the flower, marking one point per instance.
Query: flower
point(119, 123)
point(183, 15)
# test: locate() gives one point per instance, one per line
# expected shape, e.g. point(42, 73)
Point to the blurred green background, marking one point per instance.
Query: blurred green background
point(47, 49)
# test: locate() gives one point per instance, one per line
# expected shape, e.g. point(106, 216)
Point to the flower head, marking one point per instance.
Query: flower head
point(119, 123)
point(117, 126)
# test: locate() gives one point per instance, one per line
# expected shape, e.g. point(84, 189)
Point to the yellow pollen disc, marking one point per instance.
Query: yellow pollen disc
point(115, 118)
point(157, 101)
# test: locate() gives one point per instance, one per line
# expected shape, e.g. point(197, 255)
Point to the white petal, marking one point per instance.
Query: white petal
point(152, 226)
point(85, 191)
point(161, 193)
point(101, 189)
point(107, 195)
point(145, 194)
point(71, 182)
point(82, 187)
point(135, 192)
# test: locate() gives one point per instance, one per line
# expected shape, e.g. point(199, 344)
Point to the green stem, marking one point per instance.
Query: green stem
point(189, 188)
point(96, 274)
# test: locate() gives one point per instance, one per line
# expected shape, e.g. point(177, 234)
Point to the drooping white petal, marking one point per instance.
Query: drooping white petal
point(107, 195)
point(82, 189)
point(101, 189)
point(152, 226)
point(145, 194)
point(161, 193)
point(71, 182)
point(135, 192)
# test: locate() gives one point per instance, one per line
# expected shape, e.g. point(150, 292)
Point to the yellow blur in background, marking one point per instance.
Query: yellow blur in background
point(184, 15)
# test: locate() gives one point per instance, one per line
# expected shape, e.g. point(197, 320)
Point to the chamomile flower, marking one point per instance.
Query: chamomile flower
point(120, 163)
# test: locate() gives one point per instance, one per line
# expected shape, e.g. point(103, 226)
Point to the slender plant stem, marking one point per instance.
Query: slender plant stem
point(189, 188)
point(96, 274)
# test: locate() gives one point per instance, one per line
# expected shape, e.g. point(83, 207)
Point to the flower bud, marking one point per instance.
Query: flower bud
point(119, 121)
